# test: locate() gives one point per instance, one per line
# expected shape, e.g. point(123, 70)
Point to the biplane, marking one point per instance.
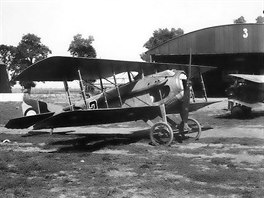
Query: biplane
point(158, 89)
point(245, 93)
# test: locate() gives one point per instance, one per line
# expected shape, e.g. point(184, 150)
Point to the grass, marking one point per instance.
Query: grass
point(80, 173)
point(234, 140)
point(3, 166)
point(22, 172)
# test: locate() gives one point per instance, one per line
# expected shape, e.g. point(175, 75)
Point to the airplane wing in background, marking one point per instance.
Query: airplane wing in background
point(252, 78)
point(58, 68)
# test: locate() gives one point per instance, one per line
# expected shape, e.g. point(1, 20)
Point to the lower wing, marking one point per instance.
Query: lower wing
point(177, 108)
point(27, 121)
point(98, 116)
point(250, 105)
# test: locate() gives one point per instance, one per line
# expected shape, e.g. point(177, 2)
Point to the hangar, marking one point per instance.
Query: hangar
point(236, 48)
point(4, 81)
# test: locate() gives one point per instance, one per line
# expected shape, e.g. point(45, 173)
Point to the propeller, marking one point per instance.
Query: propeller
point(186, 96)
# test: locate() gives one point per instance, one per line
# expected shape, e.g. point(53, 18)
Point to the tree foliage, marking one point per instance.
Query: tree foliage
point(29, 50)
point(161, 35)
point(81, 47)
point(260, 19)
point(240, 20)
point(7, 54)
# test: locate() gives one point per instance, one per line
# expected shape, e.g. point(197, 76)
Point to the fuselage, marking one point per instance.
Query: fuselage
point(165, 87)
point(246, 91)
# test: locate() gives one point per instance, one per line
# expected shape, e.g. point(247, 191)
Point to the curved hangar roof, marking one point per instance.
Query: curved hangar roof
point(226, 39)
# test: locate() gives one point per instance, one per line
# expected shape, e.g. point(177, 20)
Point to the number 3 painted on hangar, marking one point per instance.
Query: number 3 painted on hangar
point(245, 33)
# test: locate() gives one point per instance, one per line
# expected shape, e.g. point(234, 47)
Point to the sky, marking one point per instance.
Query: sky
point(120, 27)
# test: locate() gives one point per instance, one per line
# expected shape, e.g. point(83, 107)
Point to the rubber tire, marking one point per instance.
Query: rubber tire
point(198, 126)
point(237, 111)
point(246, 110)
point(29, 110)
point(164, 126)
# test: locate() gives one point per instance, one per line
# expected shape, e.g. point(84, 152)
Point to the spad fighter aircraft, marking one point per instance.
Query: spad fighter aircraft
point(157, 90)
point(246, 93)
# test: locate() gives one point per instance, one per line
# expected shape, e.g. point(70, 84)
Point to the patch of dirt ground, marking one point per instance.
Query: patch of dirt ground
point(227, 161)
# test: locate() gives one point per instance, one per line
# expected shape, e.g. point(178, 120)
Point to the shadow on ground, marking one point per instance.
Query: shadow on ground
point(252, 115)
point(93, 142)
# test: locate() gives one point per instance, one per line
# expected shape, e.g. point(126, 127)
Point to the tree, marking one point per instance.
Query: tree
point(162, 35)
point(81, 47)
point(7, 54)
point(4, 80)
point(240, 20)
point(29, 50)
point(260, 19)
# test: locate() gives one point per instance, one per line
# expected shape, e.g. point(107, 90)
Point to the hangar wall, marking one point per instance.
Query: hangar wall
point(235, 48)
point(226, 39)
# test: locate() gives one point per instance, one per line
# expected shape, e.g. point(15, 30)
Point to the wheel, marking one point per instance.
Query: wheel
point(246, 110)
point(161, 134)
point(30, 112)
point(237, 111)
point(194, 130)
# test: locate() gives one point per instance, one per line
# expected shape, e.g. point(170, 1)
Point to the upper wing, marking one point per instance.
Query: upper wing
point(59, 68)
point(252, 78)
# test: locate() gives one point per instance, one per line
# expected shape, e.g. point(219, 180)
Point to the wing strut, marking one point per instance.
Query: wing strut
point(82, 88)
point(117, 89)
point(163, 113)
point(129, 76)
point(103, 90)
point(68, 94)
point(203, 85)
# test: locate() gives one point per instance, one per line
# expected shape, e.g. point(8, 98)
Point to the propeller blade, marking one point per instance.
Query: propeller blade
point(186, 96)
point(190, 67)
point(185, 104)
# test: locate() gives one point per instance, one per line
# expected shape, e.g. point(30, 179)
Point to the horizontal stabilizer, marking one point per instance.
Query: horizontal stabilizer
point(27, 121)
